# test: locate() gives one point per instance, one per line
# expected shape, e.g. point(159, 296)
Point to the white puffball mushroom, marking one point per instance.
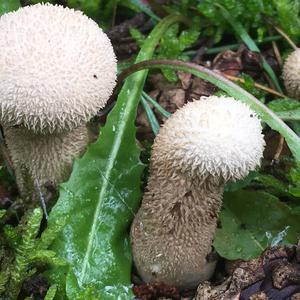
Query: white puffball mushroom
point(291, 74)
point(57, 69)
point(199, 148)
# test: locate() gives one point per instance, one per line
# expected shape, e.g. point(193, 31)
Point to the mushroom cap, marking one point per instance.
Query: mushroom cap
point(57, 68)
point(216, 136)
point(291, 74)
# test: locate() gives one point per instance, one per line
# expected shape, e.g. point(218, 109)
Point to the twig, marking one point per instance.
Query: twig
point(257, 85)
point(288, 39)
point(277, 53)
point(282, 33)
point(113, 19)
point(278, 150)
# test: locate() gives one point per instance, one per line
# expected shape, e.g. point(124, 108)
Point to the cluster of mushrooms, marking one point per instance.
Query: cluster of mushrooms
point(57, 69)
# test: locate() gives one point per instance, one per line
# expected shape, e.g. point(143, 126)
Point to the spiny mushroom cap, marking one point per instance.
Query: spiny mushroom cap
point(57, 68)
point(291, 74)
point(216, 136)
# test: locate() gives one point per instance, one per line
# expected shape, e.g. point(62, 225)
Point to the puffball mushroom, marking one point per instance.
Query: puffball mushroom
point(57, 69)
point(291, 74)
point(199, 148)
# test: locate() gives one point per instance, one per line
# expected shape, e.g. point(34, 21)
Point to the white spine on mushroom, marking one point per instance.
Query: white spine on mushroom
point(57, 68)
point(291, 74)
point(203, 145)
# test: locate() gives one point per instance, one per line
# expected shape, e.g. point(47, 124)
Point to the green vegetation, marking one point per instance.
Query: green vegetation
point(83, 249)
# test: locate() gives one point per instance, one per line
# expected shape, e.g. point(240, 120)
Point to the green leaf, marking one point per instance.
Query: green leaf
point(172, 45)
point(144, 8)
point(294, 178)
point(251, 13)
point(51, 292)
point(2, 213)
point(151, 116)
point(137, 35)
point(248, 219)
point(287, 109)
point(8, 5)
point(102, 194)
point(159, 108)
point(271, 184)
point(11, 235)
point(288, 15)
point(296, 126)
point(46, 257)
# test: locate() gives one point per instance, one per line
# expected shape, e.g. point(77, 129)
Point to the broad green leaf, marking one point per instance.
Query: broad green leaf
point(248, 219)
point(99, 200)
point(8, 5)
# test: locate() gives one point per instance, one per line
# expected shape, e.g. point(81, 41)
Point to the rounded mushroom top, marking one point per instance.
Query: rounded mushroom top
point(291, 75)
point(57, 68)
point(216, 136)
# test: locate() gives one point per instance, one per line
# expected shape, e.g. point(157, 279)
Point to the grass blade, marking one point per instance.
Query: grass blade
point(157, 105)
point(145, 9)
point(240, 30)
point(151, 116)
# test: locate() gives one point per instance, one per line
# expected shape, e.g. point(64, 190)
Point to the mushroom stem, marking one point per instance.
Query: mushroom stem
point(176, 203)
point(46, 158)
point(199, 148)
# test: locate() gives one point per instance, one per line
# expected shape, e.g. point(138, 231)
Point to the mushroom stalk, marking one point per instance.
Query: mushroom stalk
point(48, 159)
point(203, 145)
